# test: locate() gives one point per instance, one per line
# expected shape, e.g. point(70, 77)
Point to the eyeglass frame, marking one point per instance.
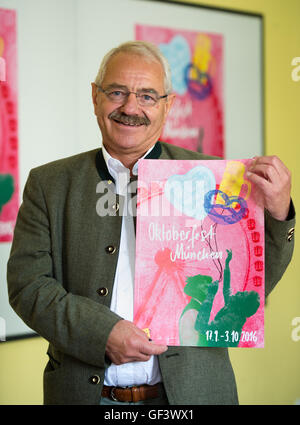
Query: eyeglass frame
point(131, 92)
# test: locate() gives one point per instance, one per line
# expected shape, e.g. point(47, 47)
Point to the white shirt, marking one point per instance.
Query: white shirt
point(135, 373)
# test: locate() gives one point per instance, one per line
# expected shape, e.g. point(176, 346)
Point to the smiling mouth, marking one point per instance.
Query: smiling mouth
point(128, 120)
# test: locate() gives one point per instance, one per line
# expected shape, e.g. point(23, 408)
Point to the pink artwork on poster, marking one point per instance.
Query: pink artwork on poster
point(196, 120)
point(9, 176)
point(199, 278)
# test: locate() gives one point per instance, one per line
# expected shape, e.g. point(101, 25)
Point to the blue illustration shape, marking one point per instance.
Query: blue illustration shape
point(186, 192)
point(177, 52)
point(195, 86)
point(228, 215)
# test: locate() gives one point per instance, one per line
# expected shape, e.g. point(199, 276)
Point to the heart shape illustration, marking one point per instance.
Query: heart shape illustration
point(186, 191)
point(177, 52)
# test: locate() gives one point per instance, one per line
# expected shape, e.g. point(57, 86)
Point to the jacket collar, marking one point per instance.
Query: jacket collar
point(102, 167)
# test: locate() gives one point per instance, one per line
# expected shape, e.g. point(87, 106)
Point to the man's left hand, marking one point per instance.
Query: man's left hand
point(273, 178)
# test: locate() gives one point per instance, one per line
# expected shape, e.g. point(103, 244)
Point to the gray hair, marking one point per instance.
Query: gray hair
point(141, 48)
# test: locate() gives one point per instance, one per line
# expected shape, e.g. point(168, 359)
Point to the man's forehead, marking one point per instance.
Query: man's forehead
point(124, 62)
point(135, 72)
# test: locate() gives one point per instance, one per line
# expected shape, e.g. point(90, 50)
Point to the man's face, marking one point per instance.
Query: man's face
point(134, 73)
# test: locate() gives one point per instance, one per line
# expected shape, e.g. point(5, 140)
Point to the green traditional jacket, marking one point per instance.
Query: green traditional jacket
point(60, 277)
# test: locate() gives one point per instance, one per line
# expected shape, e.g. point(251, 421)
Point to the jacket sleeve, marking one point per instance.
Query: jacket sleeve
point(74, 324)
point(279, 247)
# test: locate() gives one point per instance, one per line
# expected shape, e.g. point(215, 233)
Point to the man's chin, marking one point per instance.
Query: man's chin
point(128, 141)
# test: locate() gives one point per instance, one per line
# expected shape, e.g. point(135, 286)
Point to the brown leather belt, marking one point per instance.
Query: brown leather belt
point(133, 394)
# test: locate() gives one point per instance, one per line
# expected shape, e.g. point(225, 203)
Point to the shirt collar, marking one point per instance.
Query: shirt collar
point(115, 166)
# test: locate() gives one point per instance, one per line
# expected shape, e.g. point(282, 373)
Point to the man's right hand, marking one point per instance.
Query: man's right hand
point(127, 343)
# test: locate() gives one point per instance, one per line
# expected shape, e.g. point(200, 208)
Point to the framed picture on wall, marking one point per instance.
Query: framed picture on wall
point(196, 120)
point(216, 59)
point(9, 173)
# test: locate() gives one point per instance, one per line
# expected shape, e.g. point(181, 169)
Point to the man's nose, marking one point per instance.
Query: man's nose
point(130, 104)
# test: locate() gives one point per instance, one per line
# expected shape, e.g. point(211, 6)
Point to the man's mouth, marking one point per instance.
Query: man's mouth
point(128, 120)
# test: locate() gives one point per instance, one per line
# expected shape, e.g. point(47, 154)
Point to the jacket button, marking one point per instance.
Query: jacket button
point(291, 234)
point(110, 249)
point(115, 207)
point(95, 379)
point(102, 292)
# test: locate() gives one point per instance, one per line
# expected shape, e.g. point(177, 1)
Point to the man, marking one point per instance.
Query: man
point(71, 270)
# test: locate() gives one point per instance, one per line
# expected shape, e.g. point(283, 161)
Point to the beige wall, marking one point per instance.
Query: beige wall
point(264, 376)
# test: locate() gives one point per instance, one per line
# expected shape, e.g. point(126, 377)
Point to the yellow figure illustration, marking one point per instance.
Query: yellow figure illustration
point(147, 331)
point(1, 46)
point(202, 59)
point(2, 61)
point(233, 180)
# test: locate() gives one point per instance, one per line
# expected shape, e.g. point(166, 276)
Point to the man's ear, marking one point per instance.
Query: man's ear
point(94, 95)
point(169, 103)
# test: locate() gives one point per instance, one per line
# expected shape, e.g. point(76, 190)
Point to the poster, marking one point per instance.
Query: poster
point(9, 176)
point(199, 278)
point(196, 120)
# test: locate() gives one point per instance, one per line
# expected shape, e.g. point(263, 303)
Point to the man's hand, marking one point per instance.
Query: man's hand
point(127, 343)
point(272, 177)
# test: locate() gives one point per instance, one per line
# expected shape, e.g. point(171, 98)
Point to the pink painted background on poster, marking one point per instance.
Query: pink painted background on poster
point(9, 176)
point(196, 120)
point(159, 282)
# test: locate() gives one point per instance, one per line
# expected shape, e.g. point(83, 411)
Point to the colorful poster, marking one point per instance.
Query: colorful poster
point(199, 277)
point(9, 176)
point(196, 120)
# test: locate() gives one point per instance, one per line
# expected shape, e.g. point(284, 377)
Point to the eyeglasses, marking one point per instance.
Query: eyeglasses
point(120, 96)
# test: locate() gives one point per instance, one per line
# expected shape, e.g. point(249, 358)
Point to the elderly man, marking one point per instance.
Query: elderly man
point(71, 269)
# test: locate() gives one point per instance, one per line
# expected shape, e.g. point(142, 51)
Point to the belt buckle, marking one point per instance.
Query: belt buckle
point(135, 394)
point(112, 394)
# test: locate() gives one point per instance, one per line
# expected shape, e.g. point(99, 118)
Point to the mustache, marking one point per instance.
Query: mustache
point(128, 119)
